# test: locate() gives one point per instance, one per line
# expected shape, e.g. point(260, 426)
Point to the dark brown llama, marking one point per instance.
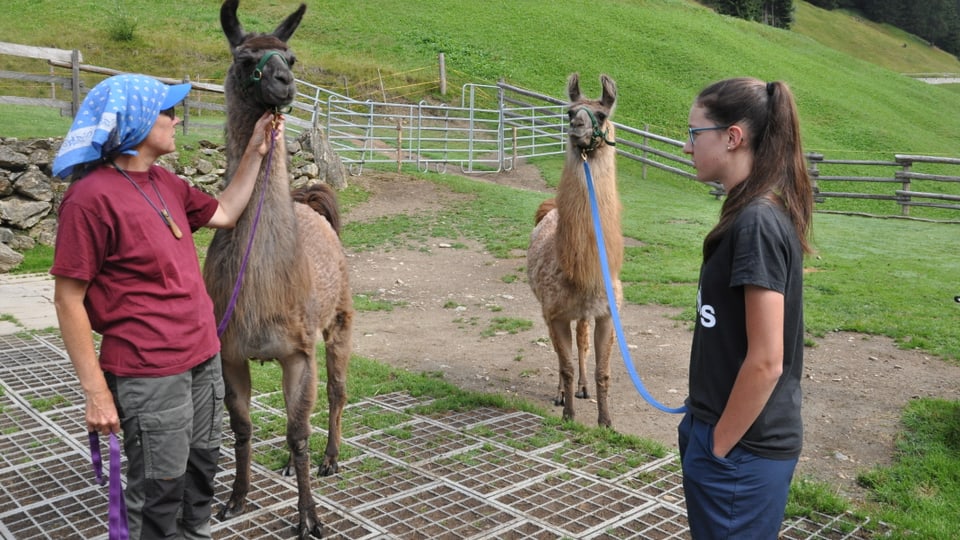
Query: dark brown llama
point(563, 266)
point(295, 285)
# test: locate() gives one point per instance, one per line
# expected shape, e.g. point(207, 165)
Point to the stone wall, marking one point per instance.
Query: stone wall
point(29, 195)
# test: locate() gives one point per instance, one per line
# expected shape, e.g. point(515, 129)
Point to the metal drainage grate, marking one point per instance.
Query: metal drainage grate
point(601, 462)
point(438, 512)
point(661, 480)
point(574, 503)
point(416, 441)
point(480, 474)
point(658, 523)
point(489, 469)
point(364, 418)
point(466, 419)
point(523, 431)
point(368, 482)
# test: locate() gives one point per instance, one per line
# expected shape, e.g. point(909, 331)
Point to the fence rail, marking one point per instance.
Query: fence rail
point(902, 174)
point(494, 128)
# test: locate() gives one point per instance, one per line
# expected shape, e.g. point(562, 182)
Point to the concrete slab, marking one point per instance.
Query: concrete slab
point(26, 303)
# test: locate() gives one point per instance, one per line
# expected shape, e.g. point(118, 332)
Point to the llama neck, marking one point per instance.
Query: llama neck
point(272, 184)
point(576, 242)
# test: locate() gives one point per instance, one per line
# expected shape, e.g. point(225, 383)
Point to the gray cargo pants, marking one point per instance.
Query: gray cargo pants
point(171, 438)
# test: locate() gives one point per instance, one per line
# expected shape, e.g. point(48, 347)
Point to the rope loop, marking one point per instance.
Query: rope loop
point(612, 300)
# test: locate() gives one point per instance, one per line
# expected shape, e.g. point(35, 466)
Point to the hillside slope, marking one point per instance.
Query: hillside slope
point(660, 52)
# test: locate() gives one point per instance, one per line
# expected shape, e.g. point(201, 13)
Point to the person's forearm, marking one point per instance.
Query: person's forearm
point(78, 339)
point(751, 391)
point(101, 411)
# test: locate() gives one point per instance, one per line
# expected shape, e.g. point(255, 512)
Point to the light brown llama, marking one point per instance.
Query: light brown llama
point(563, 266)
point(583, 328)
point(295, 285)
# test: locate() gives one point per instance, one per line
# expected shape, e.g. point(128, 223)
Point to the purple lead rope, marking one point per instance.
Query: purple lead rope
point(117, 518)
point(222, 327)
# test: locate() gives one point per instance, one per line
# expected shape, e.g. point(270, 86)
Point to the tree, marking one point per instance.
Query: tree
point(777, 13)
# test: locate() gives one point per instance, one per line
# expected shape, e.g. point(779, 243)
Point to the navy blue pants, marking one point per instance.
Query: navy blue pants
point(741, 495)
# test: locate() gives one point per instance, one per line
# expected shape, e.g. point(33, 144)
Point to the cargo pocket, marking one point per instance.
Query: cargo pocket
point(165, 439)
point(216, 424)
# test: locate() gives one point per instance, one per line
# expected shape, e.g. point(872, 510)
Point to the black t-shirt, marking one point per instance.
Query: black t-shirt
point(760, 248)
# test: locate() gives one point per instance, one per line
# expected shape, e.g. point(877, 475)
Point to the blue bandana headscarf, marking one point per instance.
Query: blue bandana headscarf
point(116, 115)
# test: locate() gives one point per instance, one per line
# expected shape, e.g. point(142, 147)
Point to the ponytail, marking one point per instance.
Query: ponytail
point(769, 114)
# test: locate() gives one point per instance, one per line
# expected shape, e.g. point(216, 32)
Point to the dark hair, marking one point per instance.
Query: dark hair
point(769, 115)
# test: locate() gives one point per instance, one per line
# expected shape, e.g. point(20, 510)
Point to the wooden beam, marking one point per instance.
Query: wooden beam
point(42, 53)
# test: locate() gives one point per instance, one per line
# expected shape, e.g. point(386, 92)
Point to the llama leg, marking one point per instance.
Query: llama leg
point(338, 348)
point(583, 347)
point(603, 338)
point(300, 394)
point(236, 378)
point(562, 340)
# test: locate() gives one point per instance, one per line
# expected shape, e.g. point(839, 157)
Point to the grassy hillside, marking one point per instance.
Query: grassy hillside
point(661, 52)
point(873, 42)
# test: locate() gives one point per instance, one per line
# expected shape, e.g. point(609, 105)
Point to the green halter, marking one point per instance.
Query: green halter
point(257, 74)
point(598, 135)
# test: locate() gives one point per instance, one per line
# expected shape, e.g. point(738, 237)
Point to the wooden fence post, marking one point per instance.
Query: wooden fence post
point(186, 109)
point(813, 170)
point(643, 154)
point(905, 184)
point(443, 75)
point(75, 82)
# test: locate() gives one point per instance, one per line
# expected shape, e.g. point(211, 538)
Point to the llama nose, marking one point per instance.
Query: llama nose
point(283, 76)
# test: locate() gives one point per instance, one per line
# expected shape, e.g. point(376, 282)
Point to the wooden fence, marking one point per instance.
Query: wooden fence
point(649, 148)
point(900, 173)
point(75, 85)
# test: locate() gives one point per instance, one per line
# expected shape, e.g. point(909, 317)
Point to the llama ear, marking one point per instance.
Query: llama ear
point(230, 24)
point(573, 87)
point(609, 97)
point(290, 24)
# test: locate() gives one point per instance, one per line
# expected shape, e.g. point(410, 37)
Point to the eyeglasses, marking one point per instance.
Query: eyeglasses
point(693, 132)
point(170, 113)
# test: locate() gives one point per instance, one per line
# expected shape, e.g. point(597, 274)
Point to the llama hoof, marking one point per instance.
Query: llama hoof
point(309, 526)
point(558, 402)
point(328, 469)
point(583, 394)
point(288, 469)
point(229, 511)
point(304, 532)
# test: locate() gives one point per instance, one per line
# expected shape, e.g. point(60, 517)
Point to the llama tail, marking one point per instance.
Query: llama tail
point(323, 200)
point(544, 209)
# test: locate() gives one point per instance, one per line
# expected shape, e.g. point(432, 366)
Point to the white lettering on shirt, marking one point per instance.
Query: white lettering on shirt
point(708, 318)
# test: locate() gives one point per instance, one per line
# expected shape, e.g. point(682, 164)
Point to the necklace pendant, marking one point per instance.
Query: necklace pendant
point(172, 224)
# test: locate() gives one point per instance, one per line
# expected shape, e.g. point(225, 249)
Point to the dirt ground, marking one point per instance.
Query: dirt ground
point(855, 386)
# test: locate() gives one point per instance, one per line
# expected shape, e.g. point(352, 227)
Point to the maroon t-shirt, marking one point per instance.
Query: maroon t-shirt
point(146, 295)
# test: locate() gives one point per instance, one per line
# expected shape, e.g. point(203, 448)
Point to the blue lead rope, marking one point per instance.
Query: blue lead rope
point(612, 300)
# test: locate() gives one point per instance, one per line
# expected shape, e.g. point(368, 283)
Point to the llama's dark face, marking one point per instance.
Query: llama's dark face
point(590, 124)
point(262, 70)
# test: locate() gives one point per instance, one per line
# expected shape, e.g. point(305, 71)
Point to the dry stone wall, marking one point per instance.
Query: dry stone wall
point(30, 195)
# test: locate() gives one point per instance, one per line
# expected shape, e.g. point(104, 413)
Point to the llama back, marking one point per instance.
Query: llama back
point(323, 200)
point(544, 208)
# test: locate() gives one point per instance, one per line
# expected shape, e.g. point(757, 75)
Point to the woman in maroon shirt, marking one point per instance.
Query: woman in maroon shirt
point(126, 267)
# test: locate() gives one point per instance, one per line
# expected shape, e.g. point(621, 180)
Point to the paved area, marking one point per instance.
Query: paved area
point(26, 302)
point(484, 473)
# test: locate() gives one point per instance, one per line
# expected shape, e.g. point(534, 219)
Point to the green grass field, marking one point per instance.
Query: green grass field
point(886, 277)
